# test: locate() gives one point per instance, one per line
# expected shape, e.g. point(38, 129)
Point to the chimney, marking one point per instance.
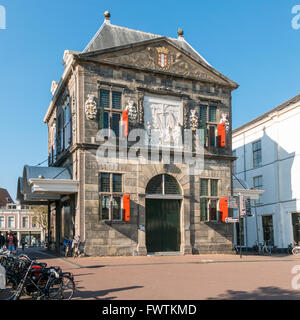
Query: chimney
point(107, 17)
point(180, 34)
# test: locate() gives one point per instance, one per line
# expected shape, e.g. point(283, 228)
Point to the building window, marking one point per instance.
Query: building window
point(2, 222)
point(212, 136)
point(212, 114)
point(25, 222)
point(204, 187)
point(110, 110)
point(214, 187)
point(203, 113)
point(208, 121)
point(11, 222)
point(34, 222)
point(209, 200)
point(111, 187)
point(64, 128)
point(67, 132)
point(257, 154)
point(258, 184)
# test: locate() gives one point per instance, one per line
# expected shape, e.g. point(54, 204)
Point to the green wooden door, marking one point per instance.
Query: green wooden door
point(162, 225)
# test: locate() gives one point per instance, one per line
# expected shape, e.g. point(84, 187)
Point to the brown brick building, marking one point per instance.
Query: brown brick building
point(150, 82)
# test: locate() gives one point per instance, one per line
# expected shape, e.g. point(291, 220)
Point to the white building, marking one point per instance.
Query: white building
point(268, 151)
point(19, 219)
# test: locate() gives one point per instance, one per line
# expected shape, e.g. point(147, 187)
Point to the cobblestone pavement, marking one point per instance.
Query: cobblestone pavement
point(196, 277)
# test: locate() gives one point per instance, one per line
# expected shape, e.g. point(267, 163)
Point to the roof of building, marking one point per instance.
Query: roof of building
point(111, 36)
point(266, 114)
point(5, 197)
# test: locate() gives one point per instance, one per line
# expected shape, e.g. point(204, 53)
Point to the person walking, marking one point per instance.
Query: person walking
point(10, 241)
point(23, 244)
point(75, 246)
point(2, 241)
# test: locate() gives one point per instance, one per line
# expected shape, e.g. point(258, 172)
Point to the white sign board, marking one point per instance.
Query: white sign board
point(231, 220)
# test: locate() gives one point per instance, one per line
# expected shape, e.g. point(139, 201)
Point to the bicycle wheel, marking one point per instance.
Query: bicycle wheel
point(296, 251)
point(10, 290)
point(62, 288)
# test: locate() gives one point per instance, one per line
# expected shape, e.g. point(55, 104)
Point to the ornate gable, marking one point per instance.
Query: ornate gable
point(160, 56)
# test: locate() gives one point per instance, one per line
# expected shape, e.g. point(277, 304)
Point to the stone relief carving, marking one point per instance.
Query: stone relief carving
point(91, 107)
point(174, 61)
point(224, 118)
point(132, 111)
point(141, 110)
point(194, 120)
point(163, 123)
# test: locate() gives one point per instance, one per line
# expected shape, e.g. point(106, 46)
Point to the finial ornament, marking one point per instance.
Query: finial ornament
point(107, 16)
point(180, 33)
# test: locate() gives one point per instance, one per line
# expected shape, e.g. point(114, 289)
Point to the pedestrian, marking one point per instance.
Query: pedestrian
point(75, 246)
point(2, 241)
point(10, 241)
point(23, 243)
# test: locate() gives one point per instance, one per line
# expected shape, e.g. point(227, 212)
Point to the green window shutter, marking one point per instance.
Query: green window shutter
point(203, 209)
point(104, 182)
point(116, 100)
point(212, 114)
point(104, 103)
point(203, 113)
point(115, 123)
point(204, 187)
point(214, 187)
point(203, 133)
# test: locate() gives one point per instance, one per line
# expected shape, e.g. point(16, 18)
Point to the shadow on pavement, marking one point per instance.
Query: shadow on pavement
point(262, 293)
point(100, 295)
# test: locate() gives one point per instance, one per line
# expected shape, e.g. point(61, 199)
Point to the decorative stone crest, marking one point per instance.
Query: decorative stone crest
point(163, 60)
point(132, 111)
point(224, 118)
point(194, 120)
point(91, 107)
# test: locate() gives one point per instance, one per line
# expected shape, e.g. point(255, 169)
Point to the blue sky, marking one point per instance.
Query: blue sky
point(251, 42)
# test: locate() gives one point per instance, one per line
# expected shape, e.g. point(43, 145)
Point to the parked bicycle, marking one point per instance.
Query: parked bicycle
point(262, 248)
point(68, 247)
point(28, 277)
point(295, 250)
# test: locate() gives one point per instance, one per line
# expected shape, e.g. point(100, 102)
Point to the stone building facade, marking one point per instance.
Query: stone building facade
point(162, 86)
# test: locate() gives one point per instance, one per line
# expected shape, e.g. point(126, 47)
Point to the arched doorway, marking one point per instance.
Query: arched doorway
point(163, 204)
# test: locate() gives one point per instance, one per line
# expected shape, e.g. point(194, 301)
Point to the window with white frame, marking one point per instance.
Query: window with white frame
point(258, 184)
point(34, 222)
point(2, 222)
point(208, 120)
point(257, 153)
point(25, 222)
point(11, 222)
point(209, 200)
point(110, 110)
point(111, 186)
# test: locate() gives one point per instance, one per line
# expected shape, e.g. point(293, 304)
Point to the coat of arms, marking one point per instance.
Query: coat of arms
point(163, 60)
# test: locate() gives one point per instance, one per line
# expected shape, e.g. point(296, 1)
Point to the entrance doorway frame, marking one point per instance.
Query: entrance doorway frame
point(168, 197)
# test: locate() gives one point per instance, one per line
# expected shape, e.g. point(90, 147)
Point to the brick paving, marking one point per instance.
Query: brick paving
point(198, 277)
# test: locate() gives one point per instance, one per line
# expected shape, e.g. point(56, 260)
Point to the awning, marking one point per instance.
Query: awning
point(40, 184)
